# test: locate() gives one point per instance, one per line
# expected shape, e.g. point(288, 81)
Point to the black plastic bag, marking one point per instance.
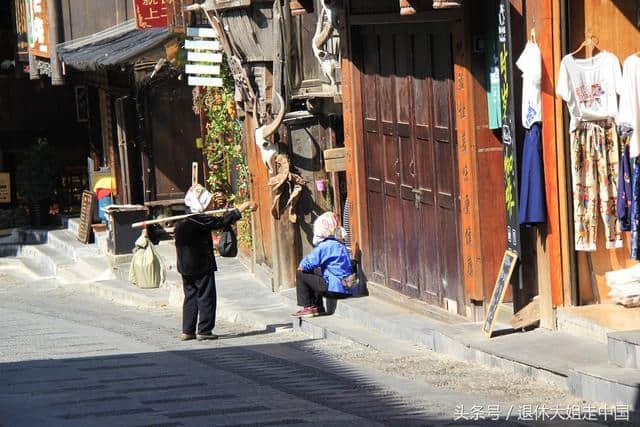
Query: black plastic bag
point(228, 244)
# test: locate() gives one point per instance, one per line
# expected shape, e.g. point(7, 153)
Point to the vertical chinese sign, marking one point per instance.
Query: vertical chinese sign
point(5, 188)
point(151, 13)
point(508, 127)
point(467, 159)
point(38, 24)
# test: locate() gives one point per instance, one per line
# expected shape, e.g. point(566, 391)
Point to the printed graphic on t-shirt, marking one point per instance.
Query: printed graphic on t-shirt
point(531, 115)
point(590, 96)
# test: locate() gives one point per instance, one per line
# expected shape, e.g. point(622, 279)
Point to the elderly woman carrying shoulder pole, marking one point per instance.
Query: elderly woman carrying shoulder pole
point(196, 263)
point(321, 272)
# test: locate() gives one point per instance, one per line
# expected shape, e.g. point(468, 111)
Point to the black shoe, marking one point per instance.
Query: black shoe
point(207, 336)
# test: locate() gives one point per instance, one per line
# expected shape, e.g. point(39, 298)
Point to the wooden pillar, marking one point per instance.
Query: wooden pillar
point(472, 264)
point(351, 107)
point(544, 16)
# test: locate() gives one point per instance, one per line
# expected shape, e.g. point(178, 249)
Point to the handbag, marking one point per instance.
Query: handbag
point(228, 244)
point(352, 281)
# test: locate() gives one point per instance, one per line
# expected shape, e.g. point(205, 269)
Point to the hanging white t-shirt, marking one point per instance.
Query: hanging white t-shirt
point(530, 63)
point(589, 86)
point(629, 113)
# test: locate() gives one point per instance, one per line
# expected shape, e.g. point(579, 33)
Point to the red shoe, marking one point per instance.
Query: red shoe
point(306, 312)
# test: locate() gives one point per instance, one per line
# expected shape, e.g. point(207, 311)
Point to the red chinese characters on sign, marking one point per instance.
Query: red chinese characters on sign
point(151, 13)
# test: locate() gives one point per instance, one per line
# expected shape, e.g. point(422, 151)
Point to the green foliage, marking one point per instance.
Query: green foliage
point(37, 176)
point(228, 178)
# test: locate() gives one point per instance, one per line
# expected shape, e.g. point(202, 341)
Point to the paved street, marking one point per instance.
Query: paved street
point(71, 359)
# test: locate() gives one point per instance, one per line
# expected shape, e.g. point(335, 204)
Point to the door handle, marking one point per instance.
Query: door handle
point(395, 166)
point(412, 168)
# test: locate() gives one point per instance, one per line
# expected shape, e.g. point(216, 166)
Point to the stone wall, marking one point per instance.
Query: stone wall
point(13, 217)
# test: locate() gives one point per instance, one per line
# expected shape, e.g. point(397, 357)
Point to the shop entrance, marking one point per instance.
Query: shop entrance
point(409, 149)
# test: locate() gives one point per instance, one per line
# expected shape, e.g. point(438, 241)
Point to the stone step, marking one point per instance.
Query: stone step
point(14, 271)
point(580, 326)
point(605, 383)
point(66, 242)
point(46, 257)
point(87, 269)
point(73, 225)
point(624, 349)
point(21, 236)
point(35, 267)
point(172, 277)
point(124, 293)
point(9, 249)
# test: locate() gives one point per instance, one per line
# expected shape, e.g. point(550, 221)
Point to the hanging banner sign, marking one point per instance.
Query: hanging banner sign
point(509, 152)
point(5, 188)
point(151, 14)
point(38, 27)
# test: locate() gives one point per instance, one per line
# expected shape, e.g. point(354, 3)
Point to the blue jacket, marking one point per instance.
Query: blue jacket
point(333, 259)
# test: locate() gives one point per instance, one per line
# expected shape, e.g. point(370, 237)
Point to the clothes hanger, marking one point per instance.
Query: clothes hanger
point(590, 42)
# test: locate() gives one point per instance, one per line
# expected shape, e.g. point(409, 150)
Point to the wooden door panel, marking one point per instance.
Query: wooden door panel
point(447, 188)
point(394, 238)
point(374, 157)
point(427, 217)
point(410, 157)
point(375, 215)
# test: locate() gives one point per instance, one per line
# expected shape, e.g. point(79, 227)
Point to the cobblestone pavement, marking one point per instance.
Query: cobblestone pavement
point(70, 359)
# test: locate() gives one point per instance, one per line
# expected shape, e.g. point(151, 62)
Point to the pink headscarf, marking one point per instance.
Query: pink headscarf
point(324, 226)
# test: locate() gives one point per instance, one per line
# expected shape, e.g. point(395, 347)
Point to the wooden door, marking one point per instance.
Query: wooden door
point(174, 129)
point(410, 157)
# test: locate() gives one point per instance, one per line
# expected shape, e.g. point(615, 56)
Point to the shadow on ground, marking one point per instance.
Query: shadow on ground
point(219, 385)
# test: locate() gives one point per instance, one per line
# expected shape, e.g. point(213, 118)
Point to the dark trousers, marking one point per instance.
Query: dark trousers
point(310, 288)
point(199, 299)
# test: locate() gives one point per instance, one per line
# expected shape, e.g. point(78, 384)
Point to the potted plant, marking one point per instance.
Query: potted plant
point(37, 180)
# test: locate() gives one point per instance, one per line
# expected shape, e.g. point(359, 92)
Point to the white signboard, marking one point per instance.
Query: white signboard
point(202, 69)
point(202, 32)
point(216, 58)
point(204, 81)
point(202, 44)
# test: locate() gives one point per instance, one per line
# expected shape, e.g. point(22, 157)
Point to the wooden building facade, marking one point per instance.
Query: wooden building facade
point(425, 169)
point(139, 130)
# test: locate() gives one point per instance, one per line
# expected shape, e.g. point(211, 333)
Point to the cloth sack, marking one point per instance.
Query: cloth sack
point(147, 269)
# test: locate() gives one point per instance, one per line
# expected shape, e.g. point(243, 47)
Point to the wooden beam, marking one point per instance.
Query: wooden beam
point(352, 114)
point(548, 35)
point(446, 15)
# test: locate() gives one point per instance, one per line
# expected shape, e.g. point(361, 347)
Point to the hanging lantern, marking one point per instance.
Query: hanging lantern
point(406, 8)
point(437, 4)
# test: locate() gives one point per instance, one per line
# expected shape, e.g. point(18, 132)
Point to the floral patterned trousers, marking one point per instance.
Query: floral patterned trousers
point(594, 167)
